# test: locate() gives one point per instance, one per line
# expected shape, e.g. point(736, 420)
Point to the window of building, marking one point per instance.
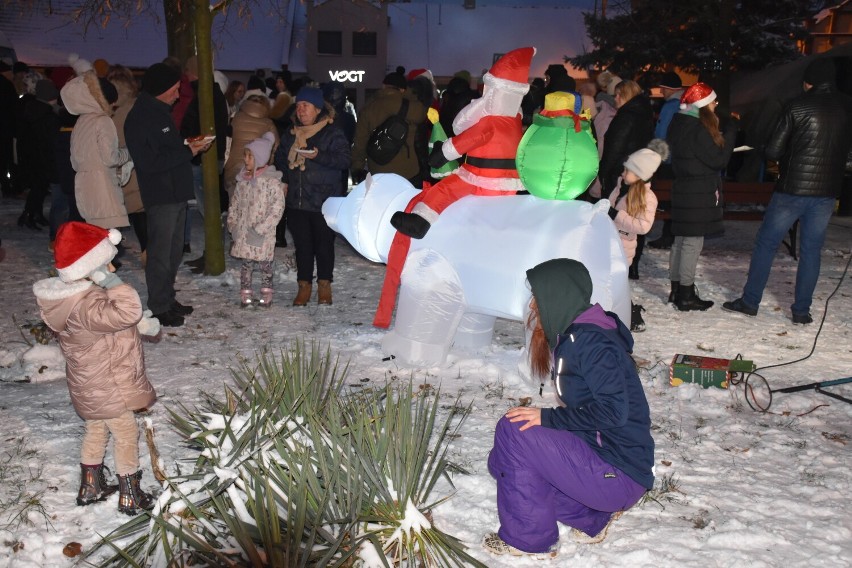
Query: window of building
point(329, 43)
point(364, 43)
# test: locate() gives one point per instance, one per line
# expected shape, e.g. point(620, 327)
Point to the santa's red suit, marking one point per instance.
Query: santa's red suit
point(489, 131)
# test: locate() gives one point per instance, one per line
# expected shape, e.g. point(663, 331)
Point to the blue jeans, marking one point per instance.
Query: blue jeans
point(58, 209)
point(813, 214)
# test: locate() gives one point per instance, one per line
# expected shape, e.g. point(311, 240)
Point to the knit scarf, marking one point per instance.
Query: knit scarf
point(251, 177)
point(294, 159)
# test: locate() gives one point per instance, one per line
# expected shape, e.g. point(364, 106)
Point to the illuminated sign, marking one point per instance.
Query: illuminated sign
point(351, 76)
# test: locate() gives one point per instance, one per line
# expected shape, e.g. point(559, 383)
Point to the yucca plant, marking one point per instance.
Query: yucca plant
point(292, 471)
point(403, 456)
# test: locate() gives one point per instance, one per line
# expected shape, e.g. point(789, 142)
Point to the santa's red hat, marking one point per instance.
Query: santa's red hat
point(514, 66)
point(416, 73)
point(80, 248)
point(698, 95)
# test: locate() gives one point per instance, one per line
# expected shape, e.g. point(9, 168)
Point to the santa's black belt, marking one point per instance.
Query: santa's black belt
point(491, 163)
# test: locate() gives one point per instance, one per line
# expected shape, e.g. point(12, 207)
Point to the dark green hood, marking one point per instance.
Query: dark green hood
point(562, 288)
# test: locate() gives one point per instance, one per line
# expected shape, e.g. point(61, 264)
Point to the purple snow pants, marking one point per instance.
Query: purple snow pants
point(545, 475)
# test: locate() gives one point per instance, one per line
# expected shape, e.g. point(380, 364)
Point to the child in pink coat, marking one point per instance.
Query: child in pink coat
point(633, 205)
point(253, 216)
point(98, 319)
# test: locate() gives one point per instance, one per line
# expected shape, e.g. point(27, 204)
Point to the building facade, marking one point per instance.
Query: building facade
point(347, 41)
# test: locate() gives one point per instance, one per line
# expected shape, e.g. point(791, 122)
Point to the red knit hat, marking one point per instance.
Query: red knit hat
point(80, 248)
point(514, 66)
point(698, 95)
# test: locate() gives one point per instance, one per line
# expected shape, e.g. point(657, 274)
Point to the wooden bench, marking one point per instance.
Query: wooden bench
point(742, 201)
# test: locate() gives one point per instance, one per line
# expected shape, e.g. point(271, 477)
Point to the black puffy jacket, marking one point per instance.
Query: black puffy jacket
point(631, 129)
point(697, 163)
point(811, 141)
point(320, 179)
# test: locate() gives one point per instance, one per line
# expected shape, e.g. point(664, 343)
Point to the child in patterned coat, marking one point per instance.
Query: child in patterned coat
point(256, 208)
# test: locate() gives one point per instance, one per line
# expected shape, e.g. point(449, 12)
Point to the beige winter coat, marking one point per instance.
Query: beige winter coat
point(105, 365)
point(255, 210)
point(629, 226)
point(251, 121)
point(130, 190)
point(95, 154)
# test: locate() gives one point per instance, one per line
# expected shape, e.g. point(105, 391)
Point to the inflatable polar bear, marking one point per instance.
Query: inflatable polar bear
point(471, 267)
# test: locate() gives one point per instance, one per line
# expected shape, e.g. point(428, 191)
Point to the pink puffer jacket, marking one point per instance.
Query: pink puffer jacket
point(629, 226)
point(105, 365)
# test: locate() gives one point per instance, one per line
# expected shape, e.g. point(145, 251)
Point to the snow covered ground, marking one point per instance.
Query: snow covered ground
point(734, 487)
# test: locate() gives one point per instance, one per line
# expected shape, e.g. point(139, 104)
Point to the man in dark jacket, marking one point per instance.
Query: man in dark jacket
point(386, 102)
point(38, 128)
point(810, 143)
point(8, 99)
point(163, 167)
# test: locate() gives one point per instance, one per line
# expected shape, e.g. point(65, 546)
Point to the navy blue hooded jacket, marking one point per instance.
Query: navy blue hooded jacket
point(605, 404)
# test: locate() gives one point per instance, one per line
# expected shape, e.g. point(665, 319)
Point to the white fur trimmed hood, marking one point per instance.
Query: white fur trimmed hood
point(52, 294)
point(83, 95)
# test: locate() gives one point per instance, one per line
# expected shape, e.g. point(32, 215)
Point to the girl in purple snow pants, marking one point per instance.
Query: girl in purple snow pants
point(593, 455)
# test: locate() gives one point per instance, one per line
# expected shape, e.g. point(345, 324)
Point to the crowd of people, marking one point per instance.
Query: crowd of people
point(116, 152)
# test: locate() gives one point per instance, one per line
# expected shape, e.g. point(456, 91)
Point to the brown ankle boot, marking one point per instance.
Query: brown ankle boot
point(93, 485)
point(132, 498)
point(304, 294)
point(324, 292)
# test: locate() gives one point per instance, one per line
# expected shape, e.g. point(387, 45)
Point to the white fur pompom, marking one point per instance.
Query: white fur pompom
point(79, 64)
point(114, 236)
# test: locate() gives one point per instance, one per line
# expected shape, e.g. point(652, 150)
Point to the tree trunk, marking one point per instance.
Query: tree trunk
point(180, 31)
point(214, 253)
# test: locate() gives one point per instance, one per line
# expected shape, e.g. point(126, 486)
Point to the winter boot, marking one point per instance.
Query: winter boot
point(582, 538)
point(687, 300)
point(26, 220)
point(304, 294)
point(131, 498)
point(740, 306)
point(324, 292)
point(246, 299)
point(265, 297)
point(673, 293)
point(410, 224)
point(498, 547)
point(93, 485)
point(637, 324)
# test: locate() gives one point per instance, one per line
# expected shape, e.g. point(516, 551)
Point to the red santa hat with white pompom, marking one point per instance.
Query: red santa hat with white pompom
point(514, 66)
point(698, 95)
point(80, 248)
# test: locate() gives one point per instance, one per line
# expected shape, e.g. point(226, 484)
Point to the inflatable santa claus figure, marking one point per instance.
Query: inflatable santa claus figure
point(488, 131)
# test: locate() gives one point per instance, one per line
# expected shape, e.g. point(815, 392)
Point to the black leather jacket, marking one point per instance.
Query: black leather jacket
point(811, 142)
